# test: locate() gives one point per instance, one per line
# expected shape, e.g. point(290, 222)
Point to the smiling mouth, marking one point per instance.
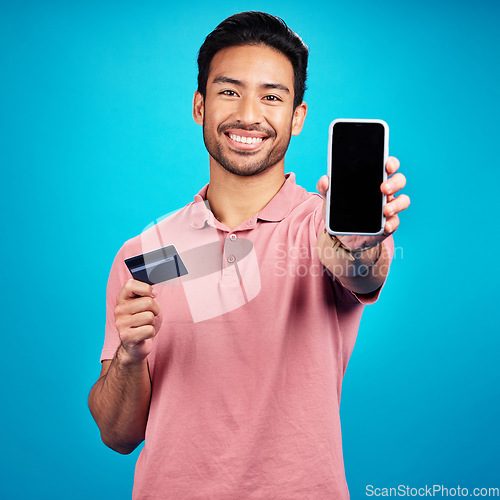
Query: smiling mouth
point(245, 139)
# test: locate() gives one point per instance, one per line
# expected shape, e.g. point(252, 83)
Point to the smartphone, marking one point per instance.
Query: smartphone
point(357, 154)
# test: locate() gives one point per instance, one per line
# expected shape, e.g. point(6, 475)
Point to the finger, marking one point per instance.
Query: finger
point(393, 184)
point(398, 204)
point(392, 165)
point(125, 323)
point(391, 224)
point(134, 336)
point(137, 305)
point(141, 319)
point(134, 288)
point(322, 185)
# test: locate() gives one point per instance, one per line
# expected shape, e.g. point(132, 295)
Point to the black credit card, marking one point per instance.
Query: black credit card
point(157, 266)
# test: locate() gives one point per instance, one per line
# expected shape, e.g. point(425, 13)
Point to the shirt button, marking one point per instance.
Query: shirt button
point(233, 237)
point(231, 259)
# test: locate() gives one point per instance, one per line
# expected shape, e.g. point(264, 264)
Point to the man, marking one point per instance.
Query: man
point(232, 373)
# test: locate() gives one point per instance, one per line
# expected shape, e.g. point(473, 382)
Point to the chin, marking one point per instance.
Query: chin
point(244, 171)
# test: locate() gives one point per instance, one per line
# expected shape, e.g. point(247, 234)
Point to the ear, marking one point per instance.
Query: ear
point(198, 108)
point(299, 115)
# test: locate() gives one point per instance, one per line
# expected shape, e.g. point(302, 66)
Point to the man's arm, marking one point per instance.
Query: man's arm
point(119, 400)
point(361, 272)
point(361, 263)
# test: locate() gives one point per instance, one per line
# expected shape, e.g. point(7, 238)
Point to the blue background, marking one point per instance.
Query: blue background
point(97, 140)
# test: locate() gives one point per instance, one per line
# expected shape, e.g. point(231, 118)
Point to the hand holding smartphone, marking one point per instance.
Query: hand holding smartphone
point(357, 154)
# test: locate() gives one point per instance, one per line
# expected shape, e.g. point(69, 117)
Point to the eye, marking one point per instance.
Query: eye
point(230, 93)
point(272, 98)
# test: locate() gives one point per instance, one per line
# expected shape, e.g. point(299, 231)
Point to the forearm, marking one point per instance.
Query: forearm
point(362, 272)
point(119, 403)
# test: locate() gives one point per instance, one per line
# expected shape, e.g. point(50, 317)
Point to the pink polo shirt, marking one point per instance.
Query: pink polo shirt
point(248, 362)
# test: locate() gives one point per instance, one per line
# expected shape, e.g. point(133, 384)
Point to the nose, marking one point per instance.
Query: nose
point(249, 111)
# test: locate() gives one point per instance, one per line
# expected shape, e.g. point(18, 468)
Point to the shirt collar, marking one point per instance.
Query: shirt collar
point(276, 210)
point(282, 202)
point(200, 211)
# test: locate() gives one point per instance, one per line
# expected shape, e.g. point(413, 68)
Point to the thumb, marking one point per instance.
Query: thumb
point(322, 185)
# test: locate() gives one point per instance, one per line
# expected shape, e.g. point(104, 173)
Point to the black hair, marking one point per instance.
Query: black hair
point(254, 28)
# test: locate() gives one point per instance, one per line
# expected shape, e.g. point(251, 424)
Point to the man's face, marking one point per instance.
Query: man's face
point(247, 114)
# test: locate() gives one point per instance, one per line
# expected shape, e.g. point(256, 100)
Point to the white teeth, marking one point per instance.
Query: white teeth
point(246, 140)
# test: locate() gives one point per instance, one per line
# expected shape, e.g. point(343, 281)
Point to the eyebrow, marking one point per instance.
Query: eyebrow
point(239, 83)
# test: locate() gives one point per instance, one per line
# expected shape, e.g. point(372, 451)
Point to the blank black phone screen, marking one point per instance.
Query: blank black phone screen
point(357, 171)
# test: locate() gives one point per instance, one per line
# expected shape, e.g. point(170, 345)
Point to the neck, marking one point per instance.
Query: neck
point(234, 198)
